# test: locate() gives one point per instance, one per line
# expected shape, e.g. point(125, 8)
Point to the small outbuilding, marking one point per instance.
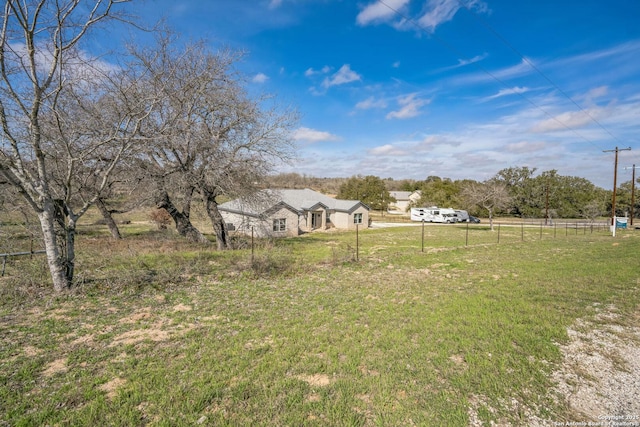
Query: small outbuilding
point(279, 213)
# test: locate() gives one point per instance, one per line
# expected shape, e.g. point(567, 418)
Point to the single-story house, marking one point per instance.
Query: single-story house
point(403, 202)
point(288, 212)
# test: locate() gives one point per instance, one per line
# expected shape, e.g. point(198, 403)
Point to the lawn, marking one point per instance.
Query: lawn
point(415, 331)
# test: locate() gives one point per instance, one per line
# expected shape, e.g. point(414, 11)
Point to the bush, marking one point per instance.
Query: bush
point(160, 218)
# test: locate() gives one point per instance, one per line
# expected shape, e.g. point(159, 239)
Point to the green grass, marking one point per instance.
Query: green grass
point(162, 332)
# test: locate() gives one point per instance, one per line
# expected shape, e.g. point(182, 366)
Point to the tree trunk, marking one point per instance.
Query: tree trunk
point(70, 255)
point(490, 218)
point(108, 219)
point(54, 258)
point(217, 222)
point(182, 221)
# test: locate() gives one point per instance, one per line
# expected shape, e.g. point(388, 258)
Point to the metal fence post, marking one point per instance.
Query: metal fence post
point(357, 244)
point(466, 241)
point(540, 230)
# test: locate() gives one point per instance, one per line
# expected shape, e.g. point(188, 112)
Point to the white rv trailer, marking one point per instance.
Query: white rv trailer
point(434, 214)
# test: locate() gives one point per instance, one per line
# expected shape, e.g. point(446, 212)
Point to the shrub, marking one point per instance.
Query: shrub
point(160, 218)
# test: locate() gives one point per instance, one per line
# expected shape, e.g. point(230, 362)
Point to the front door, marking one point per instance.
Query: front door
point(316, 220)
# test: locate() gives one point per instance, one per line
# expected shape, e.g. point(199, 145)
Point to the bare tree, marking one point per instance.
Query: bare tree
point(243, 143)
point(50, 93)
point(593, 209)
point(209, 136)
point(491, 195)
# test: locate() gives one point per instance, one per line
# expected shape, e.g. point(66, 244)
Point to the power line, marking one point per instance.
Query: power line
point(532, 65)
point(489, 73)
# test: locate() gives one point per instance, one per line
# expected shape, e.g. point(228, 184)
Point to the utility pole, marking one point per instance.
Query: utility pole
point(633, 192)
point(615, 184)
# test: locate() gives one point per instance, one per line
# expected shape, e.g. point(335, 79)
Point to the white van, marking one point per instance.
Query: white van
point(434, 214)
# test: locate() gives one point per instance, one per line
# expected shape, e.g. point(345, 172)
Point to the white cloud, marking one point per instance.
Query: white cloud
point(344, 75)
point(378, 11)
point(477, 58)
point(387, 150)
point(570, 120)
point(511, 91)
point(595, 93)
point(311, 72)
point(463, 63)
point(80, 65)
point(520, 69)
point(260, 78)
point(274, 4)
point(430, 142)
point(370, 103)
point(440, 11)
point(313, 135)
point(409, 107)
point(524, 147)
point(396, 64)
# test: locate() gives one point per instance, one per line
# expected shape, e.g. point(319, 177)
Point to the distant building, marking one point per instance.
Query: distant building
point(404, 200)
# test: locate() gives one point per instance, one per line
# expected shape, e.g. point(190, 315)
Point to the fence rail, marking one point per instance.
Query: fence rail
point(7, 255)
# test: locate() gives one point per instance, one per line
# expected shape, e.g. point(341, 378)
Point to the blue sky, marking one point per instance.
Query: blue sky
point(413, 88)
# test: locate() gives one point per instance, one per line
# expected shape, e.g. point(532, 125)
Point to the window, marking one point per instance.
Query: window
point(357, 218)
point(280, 224)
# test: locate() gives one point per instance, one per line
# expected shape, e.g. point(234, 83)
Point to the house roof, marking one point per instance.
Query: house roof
point(400, 195)
point(299, 200)
point(405, 195)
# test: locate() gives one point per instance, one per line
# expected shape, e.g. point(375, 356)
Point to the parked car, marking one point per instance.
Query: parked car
point(474, 220)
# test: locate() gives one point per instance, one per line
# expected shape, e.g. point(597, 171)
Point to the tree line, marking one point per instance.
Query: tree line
point(515, 191)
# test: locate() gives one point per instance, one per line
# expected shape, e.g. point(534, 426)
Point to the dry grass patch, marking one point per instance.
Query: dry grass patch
point(315, 380)
point(55, 367)
point(112, 387)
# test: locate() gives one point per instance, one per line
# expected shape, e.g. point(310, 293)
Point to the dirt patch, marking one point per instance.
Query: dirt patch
point(111, 387)
point(83, 340)
point(143, 314)
point(57, 366)
point(182, 307)
point(459, 361)
point(30, 351)
point(139, 335)
point(315, 380)
point(600, 375)
point(598, 380)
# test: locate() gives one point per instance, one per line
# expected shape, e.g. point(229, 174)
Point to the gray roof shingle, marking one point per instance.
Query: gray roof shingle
point(299, 200)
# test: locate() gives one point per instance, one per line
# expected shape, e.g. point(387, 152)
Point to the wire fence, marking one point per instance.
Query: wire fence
point(5, 257)
point(537, 230)
point(432, 236)
point(18, 241)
